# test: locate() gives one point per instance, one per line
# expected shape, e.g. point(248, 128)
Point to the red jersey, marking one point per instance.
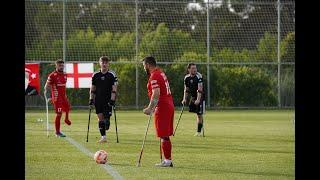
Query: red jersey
point(58, 81)
point(158, 79)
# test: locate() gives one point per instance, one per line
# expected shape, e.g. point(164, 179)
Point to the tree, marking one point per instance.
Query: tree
point(267, 48)
point(288, 48)
point(244, 86)
point(164, 44)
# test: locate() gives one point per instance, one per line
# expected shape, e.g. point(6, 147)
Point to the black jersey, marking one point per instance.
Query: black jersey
point(104, 83)
point(192, 82)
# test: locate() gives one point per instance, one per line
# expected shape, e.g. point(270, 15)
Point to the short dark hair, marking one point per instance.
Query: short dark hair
point(104, 58)
point(150, 60)
point(59, 61)
point(191, 64)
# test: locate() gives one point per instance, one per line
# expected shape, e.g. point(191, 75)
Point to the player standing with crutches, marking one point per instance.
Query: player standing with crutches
point(103, 95)
point(57, 81)
point(193, 85)
point(161, 103)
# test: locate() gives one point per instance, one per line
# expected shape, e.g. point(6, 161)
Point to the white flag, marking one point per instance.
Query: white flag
point(79, 75)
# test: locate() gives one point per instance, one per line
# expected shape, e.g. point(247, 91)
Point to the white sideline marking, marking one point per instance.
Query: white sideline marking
point(107, 167)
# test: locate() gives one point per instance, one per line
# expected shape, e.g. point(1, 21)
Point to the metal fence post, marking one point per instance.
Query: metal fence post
point(279, 58)
point(208, 57)
point(64, 31)
point(137, 61)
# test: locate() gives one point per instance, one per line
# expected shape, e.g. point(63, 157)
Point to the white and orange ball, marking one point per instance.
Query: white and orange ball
point(101, 157)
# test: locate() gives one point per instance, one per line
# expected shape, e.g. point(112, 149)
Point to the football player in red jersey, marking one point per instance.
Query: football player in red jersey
point(57, 82)
point(161, 103)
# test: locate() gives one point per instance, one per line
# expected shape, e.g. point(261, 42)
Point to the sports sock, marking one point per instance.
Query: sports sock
point(57, 123)
point(166, 148)
point(107, 123)
point(102, 128)
point(66, 119)
point(199, 127)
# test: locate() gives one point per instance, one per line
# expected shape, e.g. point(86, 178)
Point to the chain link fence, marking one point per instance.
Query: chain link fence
point(245, 50)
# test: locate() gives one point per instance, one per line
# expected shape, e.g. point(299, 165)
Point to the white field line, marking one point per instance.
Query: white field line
point(107, 167)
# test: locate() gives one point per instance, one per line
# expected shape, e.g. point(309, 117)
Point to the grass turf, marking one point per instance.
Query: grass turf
point(239, 144)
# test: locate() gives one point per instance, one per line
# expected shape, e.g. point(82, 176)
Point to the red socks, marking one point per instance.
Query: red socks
point(57, 122)
point(66, 120)
point(166, 147)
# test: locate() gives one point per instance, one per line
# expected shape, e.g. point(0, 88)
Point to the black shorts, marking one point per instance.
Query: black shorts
point(199, 109)
point(104, 108)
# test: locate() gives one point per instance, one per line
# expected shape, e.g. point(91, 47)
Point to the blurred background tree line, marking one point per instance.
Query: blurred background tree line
point(172, 32)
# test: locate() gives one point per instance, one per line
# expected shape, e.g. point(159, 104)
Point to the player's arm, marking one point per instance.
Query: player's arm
point(199, 91)
point(154, 98)
point(114, 90)
point(92, 95)
point(185, 91)
point(185, 94)
point(92, 92)
point(47, 88)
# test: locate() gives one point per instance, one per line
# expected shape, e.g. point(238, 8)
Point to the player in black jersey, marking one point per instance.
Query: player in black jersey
point(103, 94)
point(193, 86)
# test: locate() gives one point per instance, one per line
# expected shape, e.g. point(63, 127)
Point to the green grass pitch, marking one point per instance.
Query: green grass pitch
point(239, 144)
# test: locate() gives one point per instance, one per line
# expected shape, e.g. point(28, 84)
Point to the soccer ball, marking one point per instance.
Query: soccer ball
point(100, 157)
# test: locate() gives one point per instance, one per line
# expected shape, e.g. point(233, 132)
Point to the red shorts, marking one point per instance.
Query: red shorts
point(163, 119)
point(61, 106)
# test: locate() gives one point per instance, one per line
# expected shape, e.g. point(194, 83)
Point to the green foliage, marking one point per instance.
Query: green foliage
point(230, 55)
point(230, 86)
point(173, 42)
point(287, 86)
point(244, 86)
point(84, 40)
point(267, 48)
point(126, 90)
point(164, 44)
point(288, 48)
point(193, 57)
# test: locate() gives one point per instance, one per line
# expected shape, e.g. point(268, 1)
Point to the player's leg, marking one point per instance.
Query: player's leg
point(101, 122)
point(104, 121)
point(199, 124)
point(107, 115)
point(199, 118)
point(58, 109)
point(166, 149)
point(164, 129)
point(57, 122)
point(102, 127)
point(66, 109)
